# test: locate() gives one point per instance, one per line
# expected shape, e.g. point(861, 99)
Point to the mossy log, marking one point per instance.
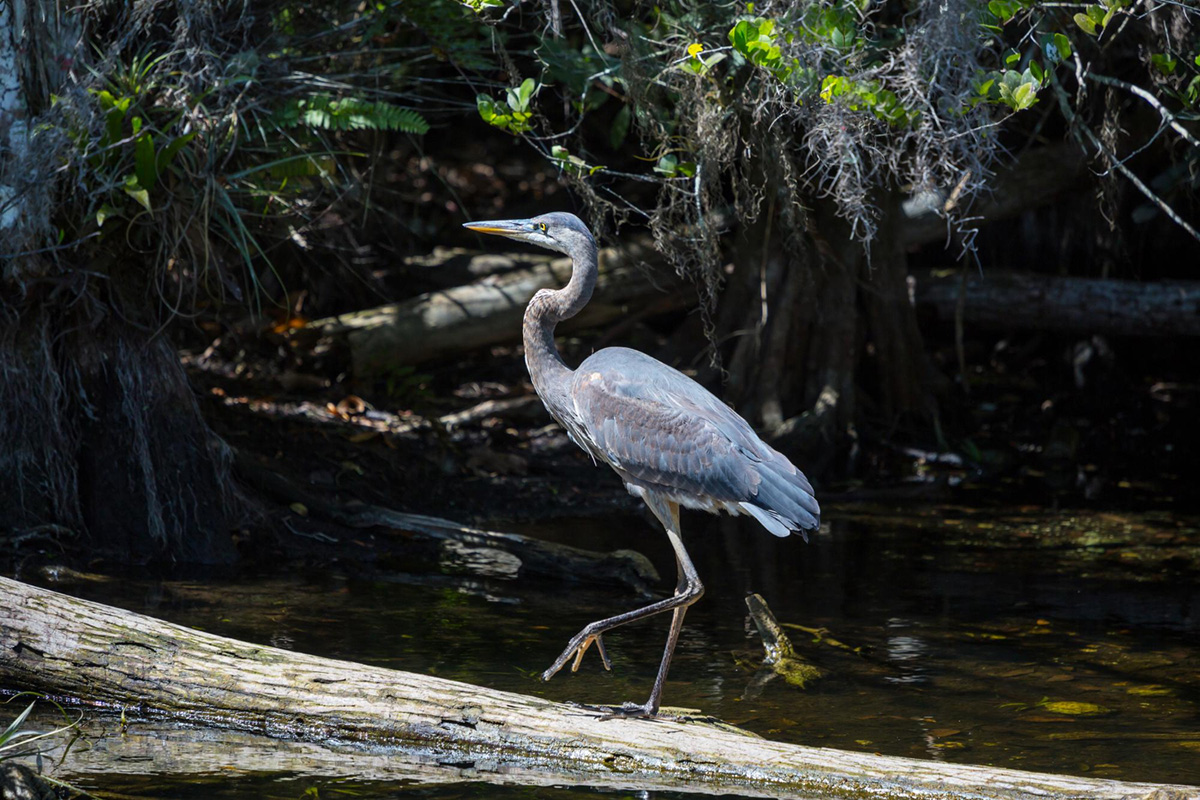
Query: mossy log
point(91, 654)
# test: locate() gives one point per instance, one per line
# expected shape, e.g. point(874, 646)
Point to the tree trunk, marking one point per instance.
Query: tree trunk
point(1014, 300)
point(88, 653)
point(895, 344)
point(99, 432)
point(102, 437)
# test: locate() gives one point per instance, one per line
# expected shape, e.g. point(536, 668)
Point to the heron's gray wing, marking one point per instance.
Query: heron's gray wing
point(667, 432)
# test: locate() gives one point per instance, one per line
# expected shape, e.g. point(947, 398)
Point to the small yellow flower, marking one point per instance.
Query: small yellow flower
point(694, 49)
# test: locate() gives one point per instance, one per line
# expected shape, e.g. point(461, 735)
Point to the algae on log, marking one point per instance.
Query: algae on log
point(93, 654)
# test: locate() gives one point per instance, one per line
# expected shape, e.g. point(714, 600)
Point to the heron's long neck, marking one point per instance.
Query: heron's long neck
point(551, 376)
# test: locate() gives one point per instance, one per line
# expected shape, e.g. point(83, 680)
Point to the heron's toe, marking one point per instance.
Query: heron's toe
point(598, 640)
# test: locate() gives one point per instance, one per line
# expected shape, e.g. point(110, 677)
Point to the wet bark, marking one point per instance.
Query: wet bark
point(91, 654)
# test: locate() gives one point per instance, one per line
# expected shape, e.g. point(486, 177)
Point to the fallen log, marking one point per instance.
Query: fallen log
point(1022, 300)
point(448, 322)
point(94, 655)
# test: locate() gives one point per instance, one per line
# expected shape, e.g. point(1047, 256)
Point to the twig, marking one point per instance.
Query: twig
point(1078, 126)
point(1166, 114)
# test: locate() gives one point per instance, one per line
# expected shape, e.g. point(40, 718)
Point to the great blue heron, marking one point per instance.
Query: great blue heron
point(670, 439)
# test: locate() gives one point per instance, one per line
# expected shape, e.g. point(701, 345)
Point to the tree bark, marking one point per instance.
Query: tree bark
point(1013, 300)
point(91, 654)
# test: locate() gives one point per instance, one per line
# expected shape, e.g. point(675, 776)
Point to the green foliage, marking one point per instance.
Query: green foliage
point(515, 115)
point(133, 151)
point(669, 166)
point(869, 95)
point(570, 163)
point(1164, 63)
point(700, 65)
point(349, 113)
point(1097, 17)
point(17, 740)
point(834, 23)
point(480, 5)
point(757, 40)
point(1005, 10)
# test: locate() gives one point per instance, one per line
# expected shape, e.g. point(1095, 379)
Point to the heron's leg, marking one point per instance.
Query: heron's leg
point(592, 633)
point(690, 587)
point(686, 593)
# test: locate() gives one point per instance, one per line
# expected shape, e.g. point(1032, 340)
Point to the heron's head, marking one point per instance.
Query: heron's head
point(558, 230)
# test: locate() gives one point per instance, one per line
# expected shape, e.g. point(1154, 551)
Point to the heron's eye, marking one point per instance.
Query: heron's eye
point(542, 226)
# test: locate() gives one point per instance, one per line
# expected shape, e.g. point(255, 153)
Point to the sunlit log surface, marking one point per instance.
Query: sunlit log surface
point(1015, 300)
point(343, 717)
point(489, 311)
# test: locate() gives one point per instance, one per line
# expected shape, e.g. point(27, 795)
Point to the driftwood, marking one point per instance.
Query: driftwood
point(1009, 300)
point(489, 311)
point(91, 654)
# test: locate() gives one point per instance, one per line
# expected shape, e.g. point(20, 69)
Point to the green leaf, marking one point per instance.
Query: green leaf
point(1024, 96)
point(1035, 71)
point(135, 190)
point(168, 153)
point(1192, 93)
point(104, 212)
point(667, 166)
point(13, 730)
point(144, 162)
point(620, 128)
point(1012, 58)
point(487, 108)
point(1086, 24)
point(1063, 45)
point(518, 99)
point(1164, 63)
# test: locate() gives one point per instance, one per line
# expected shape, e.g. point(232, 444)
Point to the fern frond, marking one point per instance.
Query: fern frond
point(350, 113)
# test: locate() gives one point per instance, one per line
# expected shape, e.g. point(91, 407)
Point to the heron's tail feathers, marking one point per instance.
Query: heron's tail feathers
point(784, 503)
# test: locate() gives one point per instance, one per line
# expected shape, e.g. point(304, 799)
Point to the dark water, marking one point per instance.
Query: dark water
point(1026, 638)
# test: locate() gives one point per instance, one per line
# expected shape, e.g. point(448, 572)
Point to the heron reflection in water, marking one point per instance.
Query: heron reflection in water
point(671, 440)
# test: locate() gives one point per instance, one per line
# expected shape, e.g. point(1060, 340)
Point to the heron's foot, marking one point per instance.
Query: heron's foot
point(577, 647)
